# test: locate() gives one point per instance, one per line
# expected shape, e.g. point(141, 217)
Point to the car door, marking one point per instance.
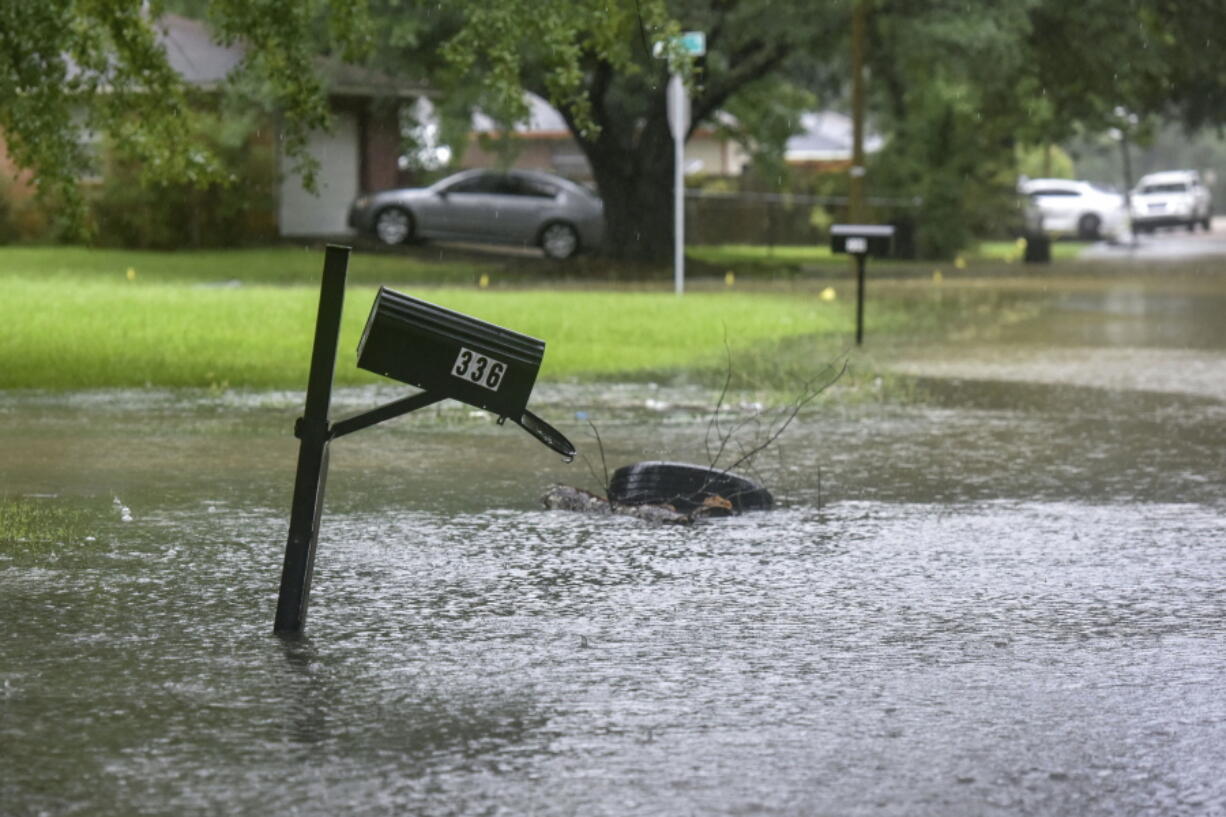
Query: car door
point(526, 202)
point(1059, 205)
point(461, 210)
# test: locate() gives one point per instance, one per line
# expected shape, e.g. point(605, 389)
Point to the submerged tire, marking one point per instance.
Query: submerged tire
point(686, 487)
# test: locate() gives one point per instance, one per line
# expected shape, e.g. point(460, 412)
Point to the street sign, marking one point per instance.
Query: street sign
point(694, 43)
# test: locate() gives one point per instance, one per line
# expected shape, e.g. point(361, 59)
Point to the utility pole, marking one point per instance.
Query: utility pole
point(859, 18)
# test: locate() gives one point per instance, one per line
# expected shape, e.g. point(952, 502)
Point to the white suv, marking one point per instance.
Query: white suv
point(1171, 199)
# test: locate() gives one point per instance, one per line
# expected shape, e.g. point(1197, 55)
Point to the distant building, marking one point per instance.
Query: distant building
point(359, 154)
point(824, 143)
point(545, 143)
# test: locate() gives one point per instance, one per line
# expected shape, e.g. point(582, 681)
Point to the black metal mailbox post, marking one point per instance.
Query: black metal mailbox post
point(860, 241)
point(446, 353)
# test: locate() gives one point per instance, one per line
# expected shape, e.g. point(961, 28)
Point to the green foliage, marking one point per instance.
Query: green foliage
point(594, 60)
point(764, 116)
point(1045, 162)
point(72, 68)
point(75, 69)
point(34, 524)
point(235, 207)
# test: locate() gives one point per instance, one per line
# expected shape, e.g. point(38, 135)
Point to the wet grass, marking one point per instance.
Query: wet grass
point(268, 265)
point(85, 332)
point(799, 259)
point(77, 318)
point(29, 525)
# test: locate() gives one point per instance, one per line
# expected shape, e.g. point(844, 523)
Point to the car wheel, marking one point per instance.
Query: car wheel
point(1089, 226)
point(1207, 223)
point(559, 240)
point(394, 225)
point(686, 488)
point(1190, 226)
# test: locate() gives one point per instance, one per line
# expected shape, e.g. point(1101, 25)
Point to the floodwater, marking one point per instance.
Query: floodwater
point(999, 593)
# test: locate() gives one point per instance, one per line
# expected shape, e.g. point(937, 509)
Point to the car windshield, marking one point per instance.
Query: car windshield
point(1170, 187)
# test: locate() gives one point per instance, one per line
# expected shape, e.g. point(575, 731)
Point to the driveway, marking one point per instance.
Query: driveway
point(1174, 244)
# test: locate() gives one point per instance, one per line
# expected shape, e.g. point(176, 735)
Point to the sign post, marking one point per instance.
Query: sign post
point(694, 43)
point(678, 123)
point(861, 240)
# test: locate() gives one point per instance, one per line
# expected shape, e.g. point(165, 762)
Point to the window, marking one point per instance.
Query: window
point(483, 183)
point(521, 186)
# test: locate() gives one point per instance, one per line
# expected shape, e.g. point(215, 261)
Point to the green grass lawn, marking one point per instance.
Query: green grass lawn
point(76, 318)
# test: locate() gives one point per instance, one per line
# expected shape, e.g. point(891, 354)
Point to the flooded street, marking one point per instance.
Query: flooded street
point(993, 585)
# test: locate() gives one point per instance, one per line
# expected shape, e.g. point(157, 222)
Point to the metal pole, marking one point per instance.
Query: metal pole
point(859, 298)
point(856, 210)
point(678, 196)
point(312, 430)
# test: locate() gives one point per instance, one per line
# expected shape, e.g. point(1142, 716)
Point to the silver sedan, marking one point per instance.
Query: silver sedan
point(514, 207)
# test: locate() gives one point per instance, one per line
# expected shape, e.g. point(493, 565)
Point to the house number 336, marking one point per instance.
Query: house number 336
point(479, 369)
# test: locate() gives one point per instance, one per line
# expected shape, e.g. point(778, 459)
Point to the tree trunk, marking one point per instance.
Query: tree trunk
point(634, 173)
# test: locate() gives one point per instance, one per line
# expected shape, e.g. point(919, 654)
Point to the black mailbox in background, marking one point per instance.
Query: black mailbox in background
point(437, 349)
point(862, 239)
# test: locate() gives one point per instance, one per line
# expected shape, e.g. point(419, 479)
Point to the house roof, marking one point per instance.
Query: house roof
point(826, 136)
point(195, 54)
point(543, 120)
point(192, 52)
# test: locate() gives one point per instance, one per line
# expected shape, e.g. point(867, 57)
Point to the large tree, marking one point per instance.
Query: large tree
point(960, 86)
point(598, 62)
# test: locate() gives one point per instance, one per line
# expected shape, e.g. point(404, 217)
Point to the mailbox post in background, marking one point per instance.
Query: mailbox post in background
point(445, 353)
point(861, 241)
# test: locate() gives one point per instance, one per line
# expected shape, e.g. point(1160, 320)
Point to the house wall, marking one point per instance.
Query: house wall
point(558, 153)
point(324, 213)
point(359, 155)
point(553, 153)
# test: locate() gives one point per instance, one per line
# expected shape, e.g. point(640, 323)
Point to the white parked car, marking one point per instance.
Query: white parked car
point(1077, 208)
point(1174, 198)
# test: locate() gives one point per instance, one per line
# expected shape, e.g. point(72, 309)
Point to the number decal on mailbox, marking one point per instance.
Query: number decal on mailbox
point(479, 369)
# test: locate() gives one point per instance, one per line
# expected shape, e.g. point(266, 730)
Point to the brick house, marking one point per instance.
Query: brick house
point(360, 153)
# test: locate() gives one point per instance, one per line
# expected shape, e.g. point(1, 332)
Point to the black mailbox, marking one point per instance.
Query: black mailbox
point(861, 239)
point(443, 351)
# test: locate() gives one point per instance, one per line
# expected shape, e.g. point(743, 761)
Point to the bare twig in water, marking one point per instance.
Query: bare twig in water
point(713, 421)
point(807, 395)
point(603, 462)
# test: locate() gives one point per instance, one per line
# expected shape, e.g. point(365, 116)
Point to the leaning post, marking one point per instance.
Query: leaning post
point(313, 432)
